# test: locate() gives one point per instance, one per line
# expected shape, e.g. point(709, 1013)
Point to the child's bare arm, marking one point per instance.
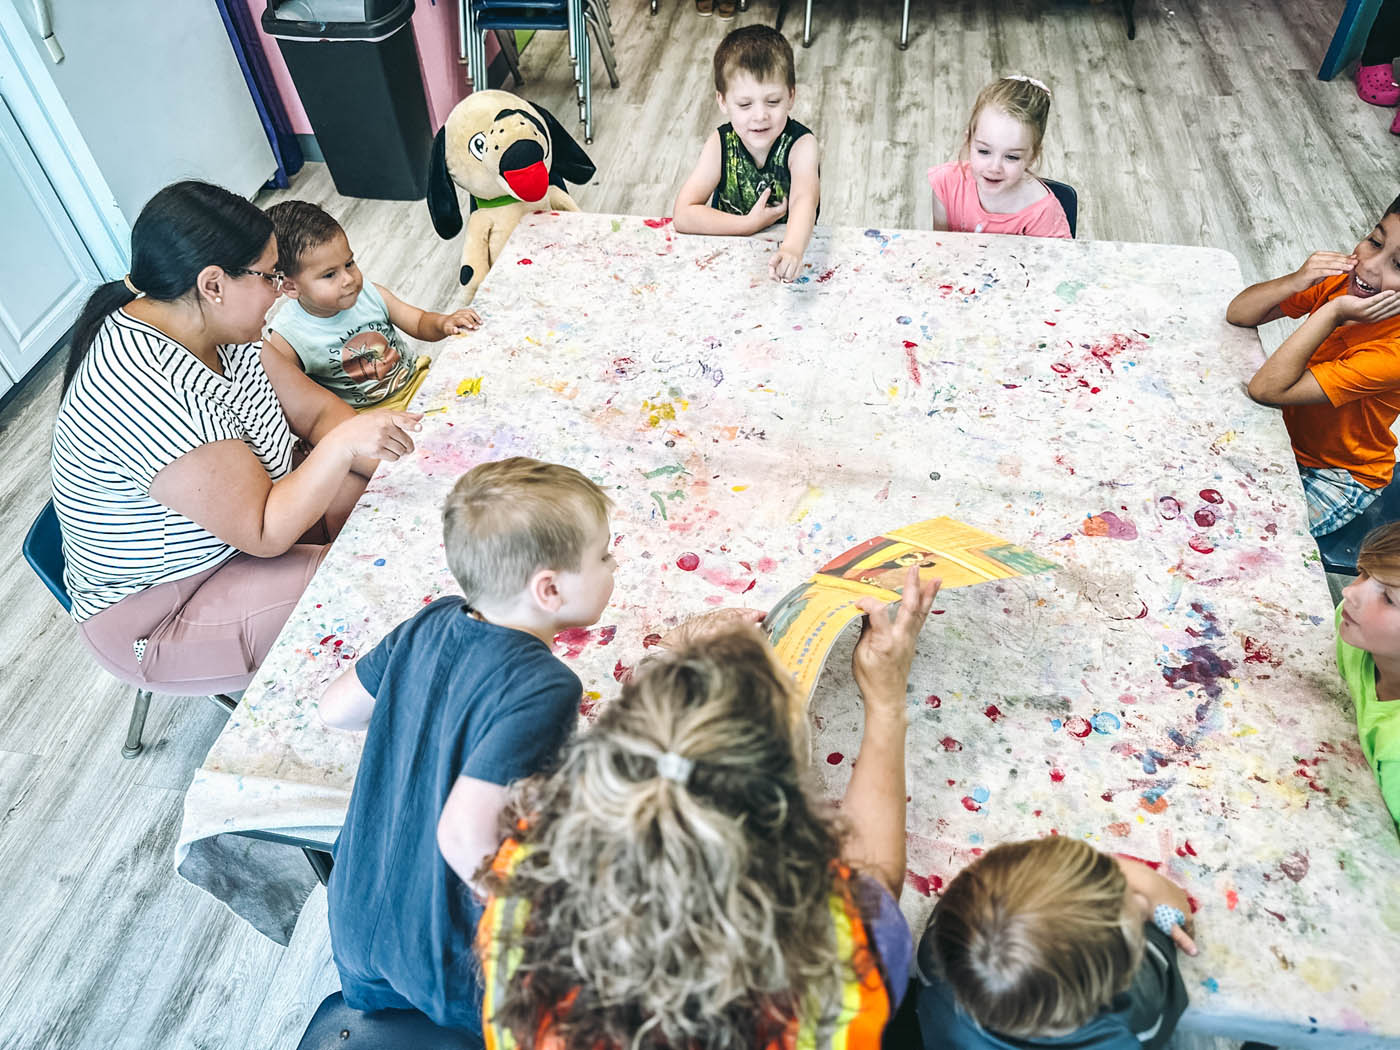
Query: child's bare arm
point(468, 831)
point(1258, 304)
point(804, 162)
point(693, 213)
point(424, 324)
point(940, 214)
point(1150, 890)
point(346, 704)
point(275, 342)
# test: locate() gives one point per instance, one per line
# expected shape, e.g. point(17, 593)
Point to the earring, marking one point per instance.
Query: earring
point(218, 298)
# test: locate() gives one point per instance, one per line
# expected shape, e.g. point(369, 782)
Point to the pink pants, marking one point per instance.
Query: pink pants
point(207, 633)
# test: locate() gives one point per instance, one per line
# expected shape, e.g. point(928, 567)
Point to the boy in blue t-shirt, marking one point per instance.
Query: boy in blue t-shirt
point(339, 330)
point(459, 701)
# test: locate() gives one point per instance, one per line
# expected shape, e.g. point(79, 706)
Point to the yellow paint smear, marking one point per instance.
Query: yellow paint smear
point(470, 387)
point(805, 504)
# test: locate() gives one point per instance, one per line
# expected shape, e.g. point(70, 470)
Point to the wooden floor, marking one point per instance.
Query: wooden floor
point(1209, 129)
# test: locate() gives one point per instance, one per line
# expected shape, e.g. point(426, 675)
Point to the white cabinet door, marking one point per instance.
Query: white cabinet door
point(45, 272)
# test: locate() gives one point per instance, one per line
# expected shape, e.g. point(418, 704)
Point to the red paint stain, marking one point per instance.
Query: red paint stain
point(1200, 545)
point(949, 744)
point(651, 641)
point(1159, 806)
point(733, 584)
point(326, 639)
point(575, 640)
point(1057, 776)
point(993, 712)
point(622, 672)
point(1257, 652)
point(933, 702)
point(1275, 914)
point(524, 262)
point(1186, 849)
point(607, 634)
point(1205, 517)
point(1061, 367)
point(835, 758)
point(1169, 507)
point(656, 224)
point(1078, 726)
point(970, 804)
point(767, 564)
point(1107, 796)
point(1232, 900)
point(688, 561)
point(1050, 323)
point(1211, 496)
point(911, 362)
point(586, 706)
point(827, 276)
point(1119, 828)
point(1295, 865)
point(924, 885)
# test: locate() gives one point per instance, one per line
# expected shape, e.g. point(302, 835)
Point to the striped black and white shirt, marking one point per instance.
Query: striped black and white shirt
point(138, 402)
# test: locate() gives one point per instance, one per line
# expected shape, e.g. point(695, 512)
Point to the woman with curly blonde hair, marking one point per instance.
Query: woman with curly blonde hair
point(676, 883)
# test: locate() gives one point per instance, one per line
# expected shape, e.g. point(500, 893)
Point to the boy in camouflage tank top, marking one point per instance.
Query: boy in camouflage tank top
point(762, 167)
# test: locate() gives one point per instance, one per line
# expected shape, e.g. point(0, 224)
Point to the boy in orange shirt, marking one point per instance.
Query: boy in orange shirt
point(1337, 378)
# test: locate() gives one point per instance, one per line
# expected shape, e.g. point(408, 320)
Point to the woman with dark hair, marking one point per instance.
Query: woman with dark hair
point(190, 528)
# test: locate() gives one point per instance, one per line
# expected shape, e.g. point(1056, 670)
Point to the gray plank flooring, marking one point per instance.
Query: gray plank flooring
point(1209, 129)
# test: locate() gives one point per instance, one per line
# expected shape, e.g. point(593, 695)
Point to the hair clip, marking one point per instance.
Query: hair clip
point(1166, 918)
point(674, 767)
point(1028, 80)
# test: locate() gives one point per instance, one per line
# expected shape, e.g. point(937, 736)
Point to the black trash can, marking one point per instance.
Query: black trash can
point(356, 70)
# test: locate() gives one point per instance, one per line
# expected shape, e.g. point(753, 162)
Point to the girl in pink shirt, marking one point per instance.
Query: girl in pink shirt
point(990, 187)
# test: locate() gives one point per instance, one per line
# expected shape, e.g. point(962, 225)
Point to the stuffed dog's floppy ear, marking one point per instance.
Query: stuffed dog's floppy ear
point(569, 160)
point(442, 192)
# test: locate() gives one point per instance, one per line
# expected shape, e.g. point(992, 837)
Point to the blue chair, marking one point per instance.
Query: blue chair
point(1350, 38)
point(1069, 201)
point(1339, 549)
point(336, 1026)
point(43, 550)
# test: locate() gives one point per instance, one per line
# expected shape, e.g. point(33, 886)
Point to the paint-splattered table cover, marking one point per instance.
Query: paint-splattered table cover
point(1168, 693)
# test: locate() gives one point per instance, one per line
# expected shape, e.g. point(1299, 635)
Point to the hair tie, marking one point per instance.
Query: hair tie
point(1028, 80)
point(1165, 918)
point(674, 767)
point(131, 287)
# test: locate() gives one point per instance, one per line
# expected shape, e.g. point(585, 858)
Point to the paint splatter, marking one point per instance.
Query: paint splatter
point(688, 561)
point(1169, 507)
point(933, 702)
point(992, 711)
point(911, 362)
point(1057, 776)
point(1106, 722)
point(470, 387)
point(1205, 517)
point(970, 804)
point(1119, 828)
point(1257, 652)
point(656, 224)
point(1200, 545)
point(949, 744)
point(835, 758)
point(1078, 726)
point(1111, 525)
point(1295, 865)
point(1203, 667)
point(981, 794)
point(575, 640)
point(1211, 496)
point(651, 641)
point(1153, 805)
point(1232, 900)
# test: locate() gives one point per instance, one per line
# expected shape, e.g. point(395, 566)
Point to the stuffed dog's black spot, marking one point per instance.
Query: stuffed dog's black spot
point(466, 275)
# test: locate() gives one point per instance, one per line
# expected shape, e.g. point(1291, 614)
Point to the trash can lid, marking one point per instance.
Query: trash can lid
point(335, 19)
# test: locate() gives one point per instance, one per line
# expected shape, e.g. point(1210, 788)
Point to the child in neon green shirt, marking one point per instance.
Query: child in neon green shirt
point(1368, 656)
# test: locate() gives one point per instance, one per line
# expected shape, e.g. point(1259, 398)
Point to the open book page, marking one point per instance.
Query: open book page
point(807, 620)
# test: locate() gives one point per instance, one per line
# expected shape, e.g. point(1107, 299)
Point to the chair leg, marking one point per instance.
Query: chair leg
point(904, 28)
point(506, 39)
point(321, 863)
point(807, 26)
point(654, 5)
point(600, 20)
point(225, 701)
point(603, 49)
point(133, 745)
point(1132, 19)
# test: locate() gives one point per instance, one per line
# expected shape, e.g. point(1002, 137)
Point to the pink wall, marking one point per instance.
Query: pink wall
point(434, 35)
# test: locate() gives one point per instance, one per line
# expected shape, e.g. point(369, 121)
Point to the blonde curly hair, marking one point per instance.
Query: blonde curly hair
point(675, 913)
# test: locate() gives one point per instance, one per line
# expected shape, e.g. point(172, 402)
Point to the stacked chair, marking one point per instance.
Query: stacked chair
point(574, 17)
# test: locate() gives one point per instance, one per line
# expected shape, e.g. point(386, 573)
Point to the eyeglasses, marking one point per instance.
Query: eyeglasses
point(275, 278)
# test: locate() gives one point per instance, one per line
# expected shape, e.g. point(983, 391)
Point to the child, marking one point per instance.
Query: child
point(460, 700)
point(1052, 943)
point(340, 331)
point(1337, 377)
point(1368, 655)
point(990, 188)
point(678, 884)
point(760, 168)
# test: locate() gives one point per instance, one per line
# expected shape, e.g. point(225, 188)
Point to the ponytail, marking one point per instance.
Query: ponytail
point(181, 230)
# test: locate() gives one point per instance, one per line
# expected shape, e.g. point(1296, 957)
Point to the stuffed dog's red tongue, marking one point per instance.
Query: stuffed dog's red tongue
point(529, 183)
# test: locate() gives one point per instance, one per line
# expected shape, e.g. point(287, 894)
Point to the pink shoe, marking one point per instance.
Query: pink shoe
point(1376, 85)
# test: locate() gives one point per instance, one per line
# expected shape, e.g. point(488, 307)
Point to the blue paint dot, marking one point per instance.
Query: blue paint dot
point(379, 561)
point(872, 233)
point(1106, 722)
point(902, 319)
point(802, 280)
point(975, 838)
point(1174, 735)
point(980, 794)
point(1055, 724)
point(1149, 764)
point(1210, 984)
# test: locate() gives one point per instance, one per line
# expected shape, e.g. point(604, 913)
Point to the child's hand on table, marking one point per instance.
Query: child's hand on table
point(1149, 890)
point(460, 321)
point(785, 264)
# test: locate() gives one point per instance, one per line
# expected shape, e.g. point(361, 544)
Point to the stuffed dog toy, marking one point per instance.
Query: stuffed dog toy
point(512, 158)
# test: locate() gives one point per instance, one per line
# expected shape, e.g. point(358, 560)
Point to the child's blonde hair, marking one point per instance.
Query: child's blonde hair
point(1379, 557)
point(1035, 938)
point(504, 521)
point(675, 910)
point(1022, 99)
